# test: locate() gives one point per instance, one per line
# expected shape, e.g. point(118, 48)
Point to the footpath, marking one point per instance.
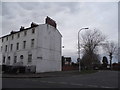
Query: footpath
point(42, 75)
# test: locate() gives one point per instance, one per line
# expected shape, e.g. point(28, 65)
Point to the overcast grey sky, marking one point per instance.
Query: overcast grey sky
point(70, 17)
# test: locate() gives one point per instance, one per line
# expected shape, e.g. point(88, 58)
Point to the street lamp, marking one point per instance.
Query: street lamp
point(79, 47)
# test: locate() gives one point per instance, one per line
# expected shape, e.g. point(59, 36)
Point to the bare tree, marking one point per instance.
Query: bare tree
point(111, 49)
point(90, 41)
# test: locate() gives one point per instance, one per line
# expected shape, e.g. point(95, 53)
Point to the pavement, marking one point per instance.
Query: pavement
point(42, 75)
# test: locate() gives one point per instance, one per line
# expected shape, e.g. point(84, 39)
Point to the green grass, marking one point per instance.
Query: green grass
point(88, 71)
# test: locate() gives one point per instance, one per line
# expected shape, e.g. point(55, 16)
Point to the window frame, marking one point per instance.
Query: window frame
point(32, 42)
point(25, 33)
point(24, 44)
point(2, 39)
point(29, 58)
point(11, 47)
point(6, 47)
point(33, 30)
point(21, 57)
point(18, 35)
point(7, 38)
point(15, 59)
point(9, 59)
point(3, 61)
point(17, 46)
point(12, 36)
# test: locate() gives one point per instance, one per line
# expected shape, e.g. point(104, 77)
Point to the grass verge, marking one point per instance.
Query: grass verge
point(88, 71)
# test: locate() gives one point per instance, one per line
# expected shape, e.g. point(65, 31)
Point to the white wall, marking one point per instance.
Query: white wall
point(50, 40)
point(0, 52)
point(46, 53)
point(21, 51)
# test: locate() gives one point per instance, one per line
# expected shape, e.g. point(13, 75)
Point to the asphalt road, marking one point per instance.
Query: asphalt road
point(101, 79)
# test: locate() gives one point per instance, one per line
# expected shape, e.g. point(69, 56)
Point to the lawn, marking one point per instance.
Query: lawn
point(88, 71)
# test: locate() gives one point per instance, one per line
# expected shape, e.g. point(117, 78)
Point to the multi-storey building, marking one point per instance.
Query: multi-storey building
point(38, 47)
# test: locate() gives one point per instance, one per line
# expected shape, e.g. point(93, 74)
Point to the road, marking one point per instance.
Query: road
point(101, 79)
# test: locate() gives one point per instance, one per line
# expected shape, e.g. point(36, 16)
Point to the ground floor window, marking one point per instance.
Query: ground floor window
point(8, 59)
point(29, 58)
point(15, 59)
point(21, 57)
point(3, 59)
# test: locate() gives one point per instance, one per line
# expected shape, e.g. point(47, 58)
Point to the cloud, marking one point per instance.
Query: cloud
point(70, 17)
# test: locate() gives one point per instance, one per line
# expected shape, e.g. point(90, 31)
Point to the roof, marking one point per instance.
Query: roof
point(14, 32)
point(48, 20)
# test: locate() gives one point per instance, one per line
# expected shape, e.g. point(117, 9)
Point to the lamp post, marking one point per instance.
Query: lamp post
point(79, 47)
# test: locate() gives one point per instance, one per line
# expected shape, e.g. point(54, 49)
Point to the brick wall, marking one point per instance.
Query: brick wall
point(68, 68)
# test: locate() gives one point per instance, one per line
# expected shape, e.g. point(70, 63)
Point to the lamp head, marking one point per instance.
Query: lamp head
point(86, 28)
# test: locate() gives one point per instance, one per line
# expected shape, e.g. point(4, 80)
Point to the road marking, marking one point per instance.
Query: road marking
point(43, 81)
point(93, 85)
point(51, 82)
point(76, 84)
point(70, 83)
point(106, 87)
point(63, 82)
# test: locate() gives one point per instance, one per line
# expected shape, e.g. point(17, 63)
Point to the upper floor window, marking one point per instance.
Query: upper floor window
point(17, 47)
point(12, 37)
point(11, 47)
point(5, 48)
point(25, 33)
point(24, 44)
point(32, 42)
point(33, 30)
point(1, 49)
point(2, 39)
point(18, 35)
point(6, 38)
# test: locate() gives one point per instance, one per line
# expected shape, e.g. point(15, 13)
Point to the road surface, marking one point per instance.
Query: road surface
point(101, 79)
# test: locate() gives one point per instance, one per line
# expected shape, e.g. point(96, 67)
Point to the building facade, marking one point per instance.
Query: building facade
point(38, 47)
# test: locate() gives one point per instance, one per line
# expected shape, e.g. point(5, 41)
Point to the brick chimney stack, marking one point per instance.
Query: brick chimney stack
point(50, 21)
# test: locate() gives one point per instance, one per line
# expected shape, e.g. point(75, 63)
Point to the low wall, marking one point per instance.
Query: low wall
point(68, 68)
point(116, 67)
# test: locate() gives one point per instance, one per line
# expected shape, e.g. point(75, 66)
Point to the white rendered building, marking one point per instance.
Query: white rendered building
point(37, 47)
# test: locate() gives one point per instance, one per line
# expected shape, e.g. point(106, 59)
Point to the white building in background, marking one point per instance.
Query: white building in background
point(37, 47)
